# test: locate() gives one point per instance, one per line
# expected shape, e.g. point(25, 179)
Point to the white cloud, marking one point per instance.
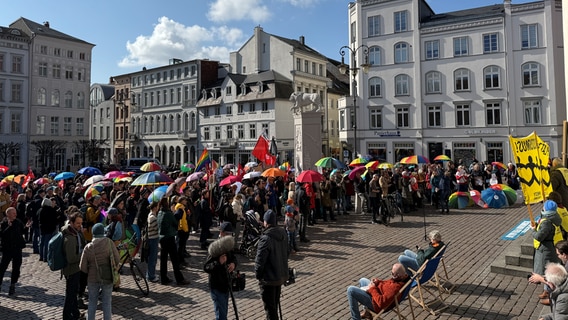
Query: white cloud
point(171, 39)
point(236, 10)
point(302, 3)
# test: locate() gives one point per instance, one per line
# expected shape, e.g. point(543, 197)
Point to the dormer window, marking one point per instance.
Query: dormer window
point(204, 94)
point(259, 86)
point(243, 89)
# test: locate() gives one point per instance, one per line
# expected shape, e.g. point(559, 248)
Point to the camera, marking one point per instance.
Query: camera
point(291, 277)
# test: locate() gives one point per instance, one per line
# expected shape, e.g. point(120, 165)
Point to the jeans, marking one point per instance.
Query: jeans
point(271, 299)
point(340, 205)
point(408, 260)
point(220, 304)
point(356, 295)
point(152, 258)
point(106, 298)
point(361, 200)
point(71, 309)
point(35, 234)
point(43, 245)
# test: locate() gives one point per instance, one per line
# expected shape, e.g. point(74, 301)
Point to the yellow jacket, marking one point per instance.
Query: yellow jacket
point(183, 226)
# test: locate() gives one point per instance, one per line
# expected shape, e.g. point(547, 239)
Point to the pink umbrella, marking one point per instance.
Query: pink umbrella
point(355, 171)
point(41, 181)
point(113, 174)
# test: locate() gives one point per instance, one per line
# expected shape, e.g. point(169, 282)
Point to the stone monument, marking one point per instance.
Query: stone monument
point(307, 130)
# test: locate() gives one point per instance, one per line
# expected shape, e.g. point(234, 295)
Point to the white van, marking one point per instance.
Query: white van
point(134, 164)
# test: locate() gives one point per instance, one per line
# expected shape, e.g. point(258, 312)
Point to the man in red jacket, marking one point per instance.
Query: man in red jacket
point(375, 294)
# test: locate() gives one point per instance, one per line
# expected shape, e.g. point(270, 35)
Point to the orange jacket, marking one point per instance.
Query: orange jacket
point(384, 292)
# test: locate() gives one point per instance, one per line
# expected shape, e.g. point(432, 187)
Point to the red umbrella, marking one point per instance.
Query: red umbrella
point(4, 169)
point(357, 170)
point(310, 176)
point(229, 181)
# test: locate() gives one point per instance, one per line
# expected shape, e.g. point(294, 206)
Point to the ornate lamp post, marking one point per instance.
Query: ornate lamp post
point(124, 109)
point(353, 69)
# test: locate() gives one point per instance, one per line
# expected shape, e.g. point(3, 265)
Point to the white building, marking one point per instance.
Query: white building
point(60, 75)
point(456, 83)
point(102, 124)
point(14, 98)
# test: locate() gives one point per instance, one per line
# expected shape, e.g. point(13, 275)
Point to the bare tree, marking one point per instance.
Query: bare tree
point(46, 150)
point(89, 149)
point(6, 150)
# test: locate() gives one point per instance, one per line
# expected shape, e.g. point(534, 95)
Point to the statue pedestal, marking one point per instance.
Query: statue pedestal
point(307, 140)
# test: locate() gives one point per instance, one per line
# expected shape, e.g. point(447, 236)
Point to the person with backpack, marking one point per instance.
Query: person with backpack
point(49, 221)
point(12, 236)
point(73, 245)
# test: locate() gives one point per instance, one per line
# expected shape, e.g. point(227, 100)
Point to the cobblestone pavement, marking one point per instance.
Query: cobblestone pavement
point(340, 252)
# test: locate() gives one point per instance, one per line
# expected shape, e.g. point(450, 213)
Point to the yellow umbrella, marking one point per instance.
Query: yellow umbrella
point(385, 165)
point(8, 179)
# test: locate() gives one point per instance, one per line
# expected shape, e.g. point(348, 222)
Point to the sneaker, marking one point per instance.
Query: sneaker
point(155, 279)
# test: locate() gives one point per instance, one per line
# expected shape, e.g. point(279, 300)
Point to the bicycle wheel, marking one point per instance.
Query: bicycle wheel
point(139, 277)
point(385, 216)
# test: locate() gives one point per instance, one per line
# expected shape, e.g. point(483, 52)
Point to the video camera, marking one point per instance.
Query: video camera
point(291, 277)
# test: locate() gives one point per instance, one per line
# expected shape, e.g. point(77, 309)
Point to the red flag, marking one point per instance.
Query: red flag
point(261, 152)
point(240, 171)
point(29, 177)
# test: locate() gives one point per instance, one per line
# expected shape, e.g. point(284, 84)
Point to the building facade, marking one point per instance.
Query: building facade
point(456, 83)
point(102, 123)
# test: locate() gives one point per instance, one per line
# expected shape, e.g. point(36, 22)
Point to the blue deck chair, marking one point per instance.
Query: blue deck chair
point(395, 305)
point(420, 290)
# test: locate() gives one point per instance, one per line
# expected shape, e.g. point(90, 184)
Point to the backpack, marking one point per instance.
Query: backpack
point(56, 259)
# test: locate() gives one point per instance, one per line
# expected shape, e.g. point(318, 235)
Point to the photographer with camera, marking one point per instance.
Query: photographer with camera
point(271, 264)
point(221, 262)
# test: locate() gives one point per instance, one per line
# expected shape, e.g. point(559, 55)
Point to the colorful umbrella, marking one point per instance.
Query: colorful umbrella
point(150, 166)
point(114, 174)
point(333, 172)
point(329, 162)
point(187, 167)
point(358, 162)
point(195, 176)
point(93, 179)
point(509, 192)
point(414, 160)
point(229, 180)
point(476, 197)
point(104, 183)
point(124, 177)
point(64, 176)
point(8, 179)
point(494, 198)
point(499, 164)
point(93, 190)
point(372, 165)
point(285, 166)
point(251, 175)
point(41, 181)
point(460, 200)
point(442, 157)
point(89, 171)
point(310, 176)
point(4, 169)
point(157, 194)
point(273, 172)
point(19, 179)
point(385, 166)
point(356, 171)
point(152, 178)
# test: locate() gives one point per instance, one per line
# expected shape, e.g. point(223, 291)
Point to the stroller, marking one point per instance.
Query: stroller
point(251, 235)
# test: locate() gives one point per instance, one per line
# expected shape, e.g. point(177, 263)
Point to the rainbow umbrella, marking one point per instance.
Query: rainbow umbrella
point(329, 162)
point(509, 192)
point(187, 167)
point(285, 166)
point(93, 179)
point(460, 200)
point(93, 190)
point(64, 176)
point(358, 162)
point(501, 165)
point(157, 194)
point(385, 166)
point(442, 157)
point(372, 165)
point(476, 197)
point(355, 171)
point(416, 159)
point(150, 166)
point(152, 178)
point(494, 198)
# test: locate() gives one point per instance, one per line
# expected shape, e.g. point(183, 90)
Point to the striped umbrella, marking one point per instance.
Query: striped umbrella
point(416, 159)
point(358, 162)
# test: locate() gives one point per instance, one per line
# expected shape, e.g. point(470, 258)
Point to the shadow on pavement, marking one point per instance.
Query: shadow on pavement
point(8, 313)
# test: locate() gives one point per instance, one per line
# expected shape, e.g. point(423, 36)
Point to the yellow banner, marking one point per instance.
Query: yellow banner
point(531, 156)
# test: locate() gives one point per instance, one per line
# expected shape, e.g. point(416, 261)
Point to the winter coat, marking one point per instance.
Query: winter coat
point(48, 219)
point(167, 224)
point(383, 294)
point(218, 276)
point(544, 233)
point(11, 236)
point(424, 254)
point(559, 303)
point(271, 263)
point(73, 245)
point(101, 249)
point(558, 183)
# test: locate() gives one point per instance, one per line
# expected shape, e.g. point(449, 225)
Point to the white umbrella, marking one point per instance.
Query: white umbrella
point(251, 164)
point(93, 179)
point(251, 175)
point(238, 185)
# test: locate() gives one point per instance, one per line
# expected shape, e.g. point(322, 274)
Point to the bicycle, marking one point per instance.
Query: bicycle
point(390, 208)
point(133, 243)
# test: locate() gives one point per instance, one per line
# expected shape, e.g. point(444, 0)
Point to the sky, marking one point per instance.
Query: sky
point(129, 35)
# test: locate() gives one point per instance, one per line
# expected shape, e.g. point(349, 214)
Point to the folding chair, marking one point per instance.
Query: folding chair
point(395, 305)
point(443, 281)
point(424, 276)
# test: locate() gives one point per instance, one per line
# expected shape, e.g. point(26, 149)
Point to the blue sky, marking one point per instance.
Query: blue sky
point(132, 34)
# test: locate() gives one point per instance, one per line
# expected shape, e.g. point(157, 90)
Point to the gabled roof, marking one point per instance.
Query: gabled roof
point(299, 46)
point(14, 32)
point(495, 10)
point(32, 29)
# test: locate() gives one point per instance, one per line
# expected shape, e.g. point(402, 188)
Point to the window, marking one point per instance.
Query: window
point(241, 131)
point(375, 87)
point(217, 133)
point(206, 135)
point(298, 64)
point(402, 117)
point(432, 49)
point(320, 68)
point(373, 24)
point(460, 47)
point(1, 90)
point(252, 107)
point(265, 129)
point(41, 96)
point(313, 68)
point(375, 56)
point(54, 126)
point(16, 92)
point(353, 32)
point(532, 111)
point(229, 132)
point(178, 95)
point(462, 115)
point(81, 74)
point(43, 49)
point(252, 131)
point(67, 126)
point(57, 52)
point(40, 125)
point(16, 124)
point(433, 82)
point(529, 36)
point(217, 110)
point(530, 74)
point(265, 106)
point(81, 100)
point(56, 71)
point(2, 58)
point(80, 126)
point(241, 108)
point(306, 66)
point(376, 117)
point(491, 75)
point(490, 43)
point(400, 21)
point(17, 64)
point(43, 69)
point(68, 99)
point(82, 56)
point(229, 109)
point(461, 78)
point(402, 83)
point(55, 98)
point(401, 52)
point(206, 112)
point(228, 91)
point(69, 73)
point(70, 54)
point(493, 113)
point(434, 116)
point(158, 124)
point(1, 122)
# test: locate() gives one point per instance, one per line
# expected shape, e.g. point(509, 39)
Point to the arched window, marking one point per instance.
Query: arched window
point(491, 75)
point(530, 74)
point(461, 80)
point(375, 87)
point(55, 98)
point(401, 52)
point(193, 121)
point(158, 124)
point(68, 99)
point(171, 123)
point(81, 100)
point(433, 82)
point(185, 121)
point(146, 126)
point(178, 122)
point(375, 56)
point(41, 96)
point(402, 85)
point(151, 129)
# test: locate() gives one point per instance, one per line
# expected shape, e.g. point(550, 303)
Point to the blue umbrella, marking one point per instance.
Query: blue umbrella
point(494, 198)
point(64, 176)
point(89, 171)
point(157, 194)
point(52, 174)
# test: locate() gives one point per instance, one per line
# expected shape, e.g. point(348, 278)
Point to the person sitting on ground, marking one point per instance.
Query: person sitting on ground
point(414, 260)
point(375, 294)
point(557, 279)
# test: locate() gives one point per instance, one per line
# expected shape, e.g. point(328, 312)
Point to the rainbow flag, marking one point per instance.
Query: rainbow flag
point(285, 166)
point(204, 160)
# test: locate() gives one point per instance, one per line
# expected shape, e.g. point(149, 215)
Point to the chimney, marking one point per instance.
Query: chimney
point(46, 24)
point(302, 40)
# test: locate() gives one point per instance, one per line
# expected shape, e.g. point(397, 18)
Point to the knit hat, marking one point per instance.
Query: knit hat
point(46, 202)
point(270, 217)
point(550, 205)
point(112, 212)
point(98, 230)
point(226, 227)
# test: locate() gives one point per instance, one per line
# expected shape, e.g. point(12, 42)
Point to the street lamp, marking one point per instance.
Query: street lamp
point(124, 109)
point(353, 70)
